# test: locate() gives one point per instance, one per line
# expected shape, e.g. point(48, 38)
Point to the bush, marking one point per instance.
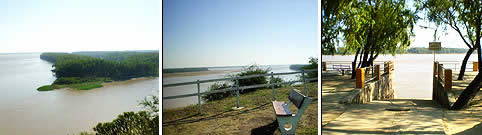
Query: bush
point(276, 80)
point(132, 123)
point(217, 96)
point(313, 65)
point(252, 70)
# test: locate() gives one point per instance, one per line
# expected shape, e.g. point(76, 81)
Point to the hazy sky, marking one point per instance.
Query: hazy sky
point(79, 25)
point(239, 32)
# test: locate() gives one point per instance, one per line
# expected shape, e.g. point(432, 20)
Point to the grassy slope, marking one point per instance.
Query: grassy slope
point(258, 115)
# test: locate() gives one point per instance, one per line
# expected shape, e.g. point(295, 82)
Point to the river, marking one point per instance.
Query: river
point(413, 72)
point(188, 89)
point(25, 111)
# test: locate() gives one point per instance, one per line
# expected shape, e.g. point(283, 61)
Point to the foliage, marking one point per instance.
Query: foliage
point(313, 65)
point(252, 70)
point(331, 23)
point(133, 65)
point(45, 88)
point(376, 27)
point(461, 18)
point(91, 86)
point(74, 80)
point(276, 80)
point(217, 96)
point(134, 123)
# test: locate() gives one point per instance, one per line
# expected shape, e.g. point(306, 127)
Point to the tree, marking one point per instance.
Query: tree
point(134, 123)
point(377, 26)
point(331, 22)
point(451, 13)
point(471, 12)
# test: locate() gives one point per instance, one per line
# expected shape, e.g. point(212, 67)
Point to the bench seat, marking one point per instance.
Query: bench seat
point(281, 109)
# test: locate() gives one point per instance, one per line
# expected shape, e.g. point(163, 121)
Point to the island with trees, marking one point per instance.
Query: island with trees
point(88, 70)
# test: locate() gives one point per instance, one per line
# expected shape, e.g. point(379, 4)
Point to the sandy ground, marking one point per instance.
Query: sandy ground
point(183, 74)
point(424, 117)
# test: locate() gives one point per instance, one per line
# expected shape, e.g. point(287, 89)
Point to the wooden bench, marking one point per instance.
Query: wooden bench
point(342, 68)
point(287, 121)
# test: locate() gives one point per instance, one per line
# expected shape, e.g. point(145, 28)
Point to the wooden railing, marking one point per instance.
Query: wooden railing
point(442, 84)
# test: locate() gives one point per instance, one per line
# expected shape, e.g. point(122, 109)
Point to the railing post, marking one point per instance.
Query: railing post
point(475, 65)
point(199, 95)
point(272, 86)
point(324, 66)
point(304, 81)
point(237, 92)
point(360, 77)
point(448, 80)
point(377, 72)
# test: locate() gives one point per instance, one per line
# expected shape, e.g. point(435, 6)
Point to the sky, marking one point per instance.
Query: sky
point(79, 25)
point(239, 32)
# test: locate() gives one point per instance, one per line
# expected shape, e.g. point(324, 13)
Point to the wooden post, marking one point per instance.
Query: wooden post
point(272, 86)
point(324, 66)
point(377, 72)
point(476, 66)
point(360, 77)
point(199, 96)
point(448, 80)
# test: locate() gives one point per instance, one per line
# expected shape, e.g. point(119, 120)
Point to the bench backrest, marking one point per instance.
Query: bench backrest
point(296, 98)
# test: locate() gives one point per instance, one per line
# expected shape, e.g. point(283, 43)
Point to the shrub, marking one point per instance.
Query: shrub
point(252, 70)
point(313, 65)
point(132, 123)
point(276, 80)
point(217, 96)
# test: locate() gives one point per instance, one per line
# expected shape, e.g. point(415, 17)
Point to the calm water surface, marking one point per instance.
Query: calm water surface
point(25, 111)
point(413, 72)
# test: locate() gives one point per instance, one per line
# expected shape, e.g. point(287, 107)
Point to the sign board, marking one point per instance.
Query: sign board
point(434, 46)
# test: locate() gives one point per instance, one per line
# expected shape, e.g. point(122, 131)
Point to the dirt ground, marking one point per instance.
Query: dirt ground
point(465, 121)
point(256, 118)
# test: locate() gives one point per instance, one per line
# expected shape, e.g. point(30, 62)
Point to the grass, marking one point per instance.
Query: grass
point(90, 86)
point(218, 118)
point(80, 83)
point(45, 88)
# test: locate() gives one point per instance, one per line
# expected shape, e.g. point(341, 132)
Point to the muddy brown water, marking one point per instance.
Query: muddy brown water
point(25, 111)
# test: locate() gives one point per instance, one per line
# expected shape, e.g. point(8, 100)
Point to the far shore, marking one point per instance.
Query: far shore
point(184, 74)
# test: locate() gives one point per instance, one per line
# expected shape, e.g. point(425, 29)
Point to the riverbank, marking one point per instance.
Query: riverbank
point(184, 74)
point(92, 84)
point(424, 117)
point(257, 116)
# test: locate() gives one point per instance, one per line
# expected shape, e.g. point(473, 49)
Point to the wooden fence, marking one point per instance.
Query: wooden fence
point(442, 84)
point(372, 84)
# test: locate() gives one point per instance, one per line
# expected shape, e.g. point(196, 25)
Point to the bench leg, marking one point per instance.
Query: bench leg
point(289, 120)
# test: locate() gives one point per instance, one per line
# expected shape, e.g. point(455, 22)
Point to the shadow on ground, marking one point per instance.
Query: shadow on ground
point(266, 129)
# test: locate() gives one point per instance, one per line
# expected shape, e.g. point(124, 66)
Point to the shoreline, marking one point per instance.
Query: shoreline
point(198, 73)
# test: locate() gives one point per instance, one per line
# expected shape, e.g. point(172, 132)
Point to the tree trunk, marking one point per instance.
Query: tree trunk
point(468, 93)
point(474, 86)
point(464, 64)
point(353, 66)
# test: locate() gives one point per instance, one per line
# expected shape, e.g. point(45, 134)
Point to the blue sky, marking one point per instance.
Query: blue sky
point(79, 25)
point(239, 32)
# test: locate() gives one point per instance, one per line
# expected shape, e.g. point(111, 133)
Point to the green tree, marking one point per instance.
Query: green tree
point(331, 24)
point(313, 65)
point(134, 123)
point(377, 26)
point(453, 14)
